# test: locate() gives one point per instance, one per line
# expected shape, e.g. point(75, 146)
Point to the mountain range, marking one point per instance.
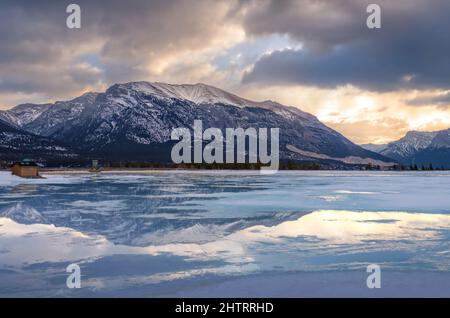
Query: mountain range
point(418, 148)
point(133, 122)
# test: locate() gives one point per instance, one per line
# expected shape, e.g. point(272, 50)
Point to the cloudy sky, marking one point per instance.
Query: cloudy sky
point(372, 85)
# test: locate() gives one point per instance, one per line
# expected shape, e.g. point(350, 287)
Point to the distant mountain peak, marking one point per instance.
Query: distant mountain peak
point(374, 147)
point(418, 147)
point(441, 140)
point(199, 93)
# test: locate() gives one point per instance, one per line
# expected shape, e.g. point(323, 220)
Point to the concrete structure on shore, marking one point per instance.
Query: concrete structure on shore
point(95, 166)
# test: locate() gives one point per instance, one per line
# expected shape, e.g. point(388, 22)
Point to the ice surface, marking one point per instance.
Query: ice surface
point(204, 233)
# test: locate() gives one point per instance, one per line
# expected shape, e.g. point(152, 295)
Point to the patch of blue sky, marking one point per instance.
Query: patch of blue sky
point(92, 59)
point(248, 52)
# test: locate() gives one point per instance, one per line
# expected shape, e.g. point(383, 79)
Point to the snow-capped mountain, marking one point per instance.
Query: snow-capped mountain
point(437, 153)
point(45, 119)
point(409, 145)
point(133, 121)
point(23, 114)
point(421, 148)
point(441, 139)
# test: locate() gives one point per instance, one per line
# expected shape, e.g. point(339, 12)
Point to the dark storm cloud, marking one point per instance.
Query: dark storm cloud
point(119, 40)
point(411, 50)
point(38, 53)
point(443, 100)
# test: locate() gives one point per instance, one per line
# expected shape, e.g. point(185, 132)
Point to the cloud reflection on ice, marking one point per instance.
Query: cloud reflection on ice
point(321, 230)
point(162, 231)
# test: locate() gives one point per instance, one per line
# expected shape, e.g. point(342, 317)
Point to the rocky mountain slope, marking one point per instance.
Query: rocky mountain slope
point(420, 148)
point(133, 121)
point(16, 144)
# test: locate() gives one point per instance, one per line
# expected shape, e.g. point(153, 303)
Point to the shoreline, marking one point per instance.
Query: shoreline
point(66, 170)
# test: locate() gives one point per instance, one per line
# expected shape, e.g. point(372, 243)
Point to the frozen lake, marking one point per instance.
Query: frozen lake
point(230, 233)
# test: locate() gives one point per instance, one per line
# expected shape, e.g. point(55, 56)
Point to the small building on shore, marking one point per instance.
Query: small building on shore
point(26, 168)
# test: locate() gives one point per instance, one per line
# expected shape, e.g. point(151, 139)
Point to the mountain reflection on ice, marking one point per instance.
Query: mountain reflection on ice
point(164, 233)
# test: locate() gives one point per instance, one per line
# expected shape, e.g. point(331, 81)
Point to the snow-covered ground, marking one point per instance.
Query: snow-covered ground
point(228, 233)
point(7, 179)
